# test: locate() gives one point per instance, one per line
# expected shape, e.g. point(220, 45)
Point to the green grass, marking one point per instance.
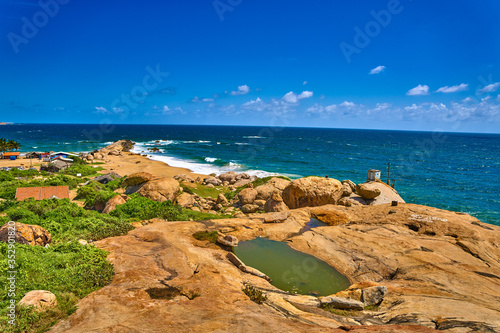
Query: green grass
point(255, 294)
point(205, 191)
point(206, 235)
point(69, 270)
point(340, 312)
point(83, 169)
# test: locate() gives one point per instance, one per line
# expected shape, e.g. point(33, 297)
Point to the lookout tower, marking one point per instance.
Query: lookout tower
point(373, 175)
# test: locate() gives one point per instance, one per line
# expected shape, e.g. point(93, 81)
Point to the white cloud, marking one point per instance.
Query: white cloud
point(304, 83)
point(291, 97)
point(305, 94)
point(418, 90)
point(490, 87)
point(378, 69)
point(347, 104)
point(467, 100)
point(242, 90)
point(452, 89)
point(196, 99)
point(101, 109)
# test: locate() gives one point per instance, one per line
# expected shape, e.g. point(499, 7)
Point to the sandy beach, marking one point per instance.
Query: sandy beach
point(123, 165)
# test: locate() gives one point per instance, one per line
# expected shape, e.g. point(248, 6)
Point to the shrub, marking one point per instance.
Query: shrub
point(255, 294)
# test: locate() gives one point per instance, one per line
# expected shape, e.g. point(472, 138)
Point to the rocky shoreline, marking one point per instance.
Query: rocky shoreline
point(432, 269)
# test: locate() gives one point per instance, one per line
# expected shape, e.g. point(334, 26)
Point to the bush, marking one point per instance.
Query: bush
point(70, 271)
point(94, 193)
point(84, 170)
point(255, 294)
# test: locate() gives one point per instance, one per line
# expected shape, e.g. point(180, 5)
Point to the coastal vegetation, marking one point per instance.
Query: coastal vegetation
point(7, 145)
point(68, 267)
point(255, 183)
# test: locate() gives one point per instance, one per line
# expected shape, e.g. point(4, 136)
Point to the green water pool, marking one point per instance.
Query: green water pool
point(291, 270)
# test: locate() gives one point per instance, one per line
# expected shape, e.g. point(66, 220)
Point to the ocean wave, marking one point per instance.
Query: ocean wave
point(254, 137)
point(242, 143)
point(211, 159)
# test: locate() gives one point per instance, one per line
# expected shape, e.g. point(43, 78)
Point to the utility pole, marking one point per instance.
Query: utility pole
point(389, 174)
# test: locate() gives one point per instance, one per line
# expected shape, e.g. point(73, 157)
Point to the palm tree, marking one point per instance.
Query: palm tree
point(3, 145)
point(13, 145)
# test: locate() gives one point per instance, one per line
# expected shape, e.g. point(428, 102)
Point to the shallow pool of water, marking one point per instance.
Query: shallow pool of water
point(291, 270)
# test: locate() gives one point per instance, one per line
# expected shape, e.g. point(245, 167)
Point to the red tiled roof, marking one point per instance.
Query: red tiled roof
point(13, 153)
point(40, 193)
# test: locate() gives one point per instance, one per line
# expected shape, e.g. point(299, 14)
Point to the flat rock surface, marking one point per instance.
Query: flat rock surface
point(441, 269)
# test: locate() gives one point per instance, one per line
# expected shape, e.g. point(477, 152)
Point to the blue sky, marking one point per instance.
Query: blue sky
point(410, 65)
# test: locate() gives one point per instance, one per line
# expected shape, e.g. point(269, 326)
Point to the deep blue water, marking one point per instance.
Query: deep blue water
point(454, 171)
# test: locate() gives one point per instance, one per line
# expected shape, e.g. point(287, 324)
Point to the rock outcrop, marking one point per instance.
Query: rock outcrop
point(39, 299)
point(312, 191)
point(378, 193)
point(25, 234)
point(160, 189)
point(247, 196)
point(116, 148)
point(441, 270)
point(113, 202)
point(137, 179)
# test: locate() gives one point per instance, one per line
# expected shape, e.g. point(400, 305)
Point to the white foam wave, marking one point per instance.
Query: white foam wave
point(254, 137)
point(211, 159)
point(242, 143)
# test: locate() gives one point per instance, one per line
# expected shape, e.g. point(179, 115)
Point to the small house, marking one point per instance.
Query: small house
point(41, 193)
point(62, 154)
point(373, 175)
point(12, 155)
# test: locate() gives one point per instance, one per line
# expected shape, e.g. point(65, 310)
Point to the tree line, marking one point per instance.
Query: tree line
point(7, 145)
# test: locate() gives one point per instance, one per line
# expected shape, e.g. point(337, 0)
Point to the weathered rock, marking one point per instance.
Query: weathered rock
point(348, 202)
point(210, 185)
point(264, 192)
point(39, 299)
point(227, 240)
point(351, 184)
point(368, 191)
point(185, 200)
point(113, 202)
point(137, 179)
point(212, 181)
point(260, 203)
point(118, 147)
point(89, 157)
point(228, 176)
point(247, 269)
point(387, 195)
point(374, 295)
point(346, 190)
point(278, 217)
point(275, 203)
point(184, 178)
point(83, 242)
point(25, 234)
point(275, 183)
point(221, 199)
point(160, 189)
point(247, 196)
point(242, 182)
point(312, 191)
point(249, 208)
point(342, 303)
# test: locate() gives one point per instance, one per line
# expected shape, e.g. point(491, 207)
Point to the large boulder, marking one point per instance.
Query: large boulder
point(39, 299)
point(117, 147)
point(249, 208)
point(227, 240)
point(212, 181)
point(113, 202)
point(247, 196)
point(160, 189)
point(229, 177)
point(265, 190)
point(387, 194)
point(221, 199)
point(368, 191)
point(275, 203)
point(25, 234)
point(312, 191)
point(185, 200)
point(184, 178)
point(137, 178)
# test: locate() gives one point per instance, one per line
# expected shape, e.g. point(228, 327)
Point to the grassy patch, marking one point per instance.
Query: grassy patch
point(340, 312)
point(255, 294)
point(69, 270)
point(206, 235)
point(83, 169)
point(203, 190)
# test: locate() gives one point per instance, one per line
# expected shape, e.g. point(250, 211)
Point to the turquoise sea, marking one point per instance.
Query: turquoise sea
point(454, 171)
